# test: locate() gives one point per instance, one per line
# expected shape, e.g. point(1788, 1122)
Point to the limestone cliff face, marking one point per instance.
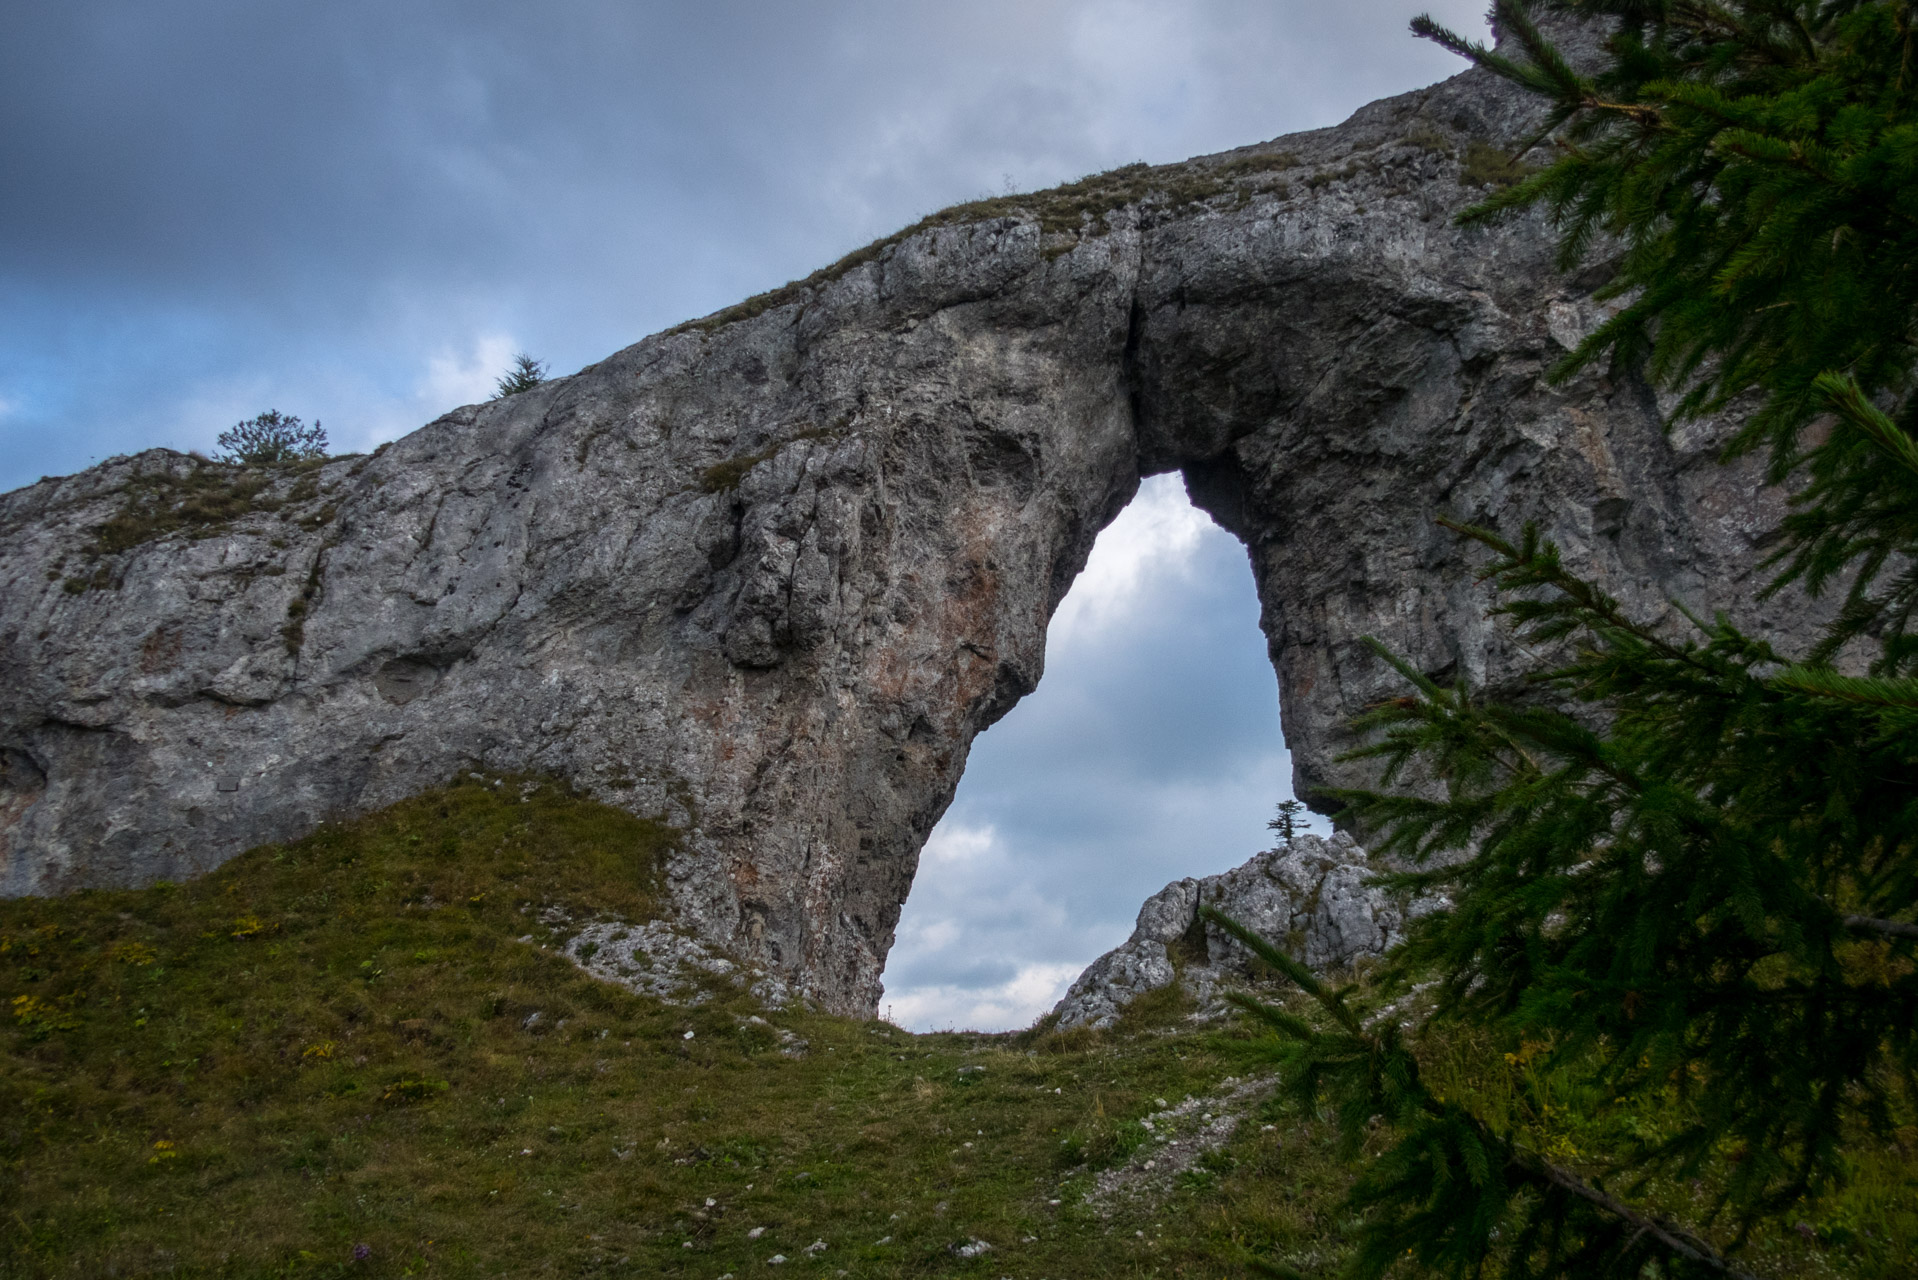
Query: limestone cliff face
point(769, 574)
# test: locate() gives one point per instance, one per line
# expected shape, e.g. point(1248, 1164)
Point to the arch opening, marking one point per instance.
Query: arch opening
point(1151, 750)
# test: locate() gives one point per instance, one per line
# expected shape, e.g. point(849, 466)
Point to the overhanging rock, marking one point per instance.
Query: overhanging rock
point(767, 575)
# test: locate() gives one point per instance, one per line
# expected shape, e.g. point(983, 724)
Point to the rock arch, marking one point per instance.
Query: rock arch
point(768, 574)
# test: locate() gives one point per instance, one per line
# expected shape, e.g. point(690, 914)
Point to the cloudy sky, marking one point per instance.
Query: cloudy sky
point(357, 211)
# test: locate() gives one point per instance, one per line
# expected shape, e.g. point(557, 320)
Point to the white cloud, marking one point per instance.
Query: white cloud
point(974, 903)
point(1153, 543)
point(445, 378)
point(960, 846)
point(454, 378)
point(1017, 1002)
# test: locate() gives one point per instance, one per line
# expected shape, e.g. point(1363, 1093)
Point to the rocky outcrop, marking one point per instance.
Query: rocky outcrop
point(1309, 896)
point(768, 574)
point(655, 959)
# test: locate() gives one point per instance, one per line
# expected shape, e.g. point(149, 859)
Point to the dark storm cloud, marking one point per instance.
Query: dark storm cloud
point(209, 207)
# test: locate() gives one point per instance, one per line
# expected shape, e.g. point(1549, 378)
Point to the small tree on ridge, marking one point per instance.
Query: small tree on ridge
point(272, 437)
point(525, 374)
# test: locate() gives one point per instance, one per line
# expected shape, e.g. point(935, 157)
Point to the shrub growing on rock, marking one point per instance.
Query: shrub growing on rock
point(272, 437)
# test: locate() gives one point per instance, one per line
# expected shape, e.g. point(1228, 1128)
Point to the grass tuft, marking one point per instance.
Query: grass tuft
point(725, 476)
point(1485, 165)
point(201, 501)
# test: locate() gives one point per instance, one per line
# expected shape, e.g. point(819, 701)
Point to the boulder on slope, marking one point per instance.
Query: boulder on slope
point(1310, 896)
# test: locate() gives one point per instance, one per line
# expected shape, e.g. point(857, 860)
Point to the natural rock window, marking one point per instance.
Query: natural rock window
point(1150, 751)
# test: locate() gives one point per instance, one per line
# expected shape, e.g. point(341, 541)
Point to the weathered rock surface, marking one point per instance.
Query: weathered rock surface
point(1308, 895)
point(769, 574)
point(653, 958)
point(1178, 1136)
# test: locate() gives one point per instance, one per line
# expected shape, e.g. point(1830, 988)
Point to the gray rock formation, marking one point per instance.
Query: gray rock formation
point(768, 574)
point(1309, 896)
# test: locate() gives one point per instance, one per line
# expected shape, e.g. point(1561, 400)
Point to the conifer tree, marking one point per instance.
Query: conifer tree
point(1702, 889)
point(1287, 822)
point(525, 374)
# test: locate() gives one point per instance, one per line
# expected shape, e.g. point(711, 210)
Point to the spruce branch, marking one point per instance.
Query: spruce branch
point(1546, 72)
point(1899, 693)
point(1675, 1239)
point(1649, 877)
point(1887, 928)
point(1381, 1075)
point(1845, 398)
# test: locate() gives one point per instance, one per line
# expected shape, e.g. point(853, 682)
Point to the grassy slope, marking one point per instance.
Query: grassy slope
point(326, 1045)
